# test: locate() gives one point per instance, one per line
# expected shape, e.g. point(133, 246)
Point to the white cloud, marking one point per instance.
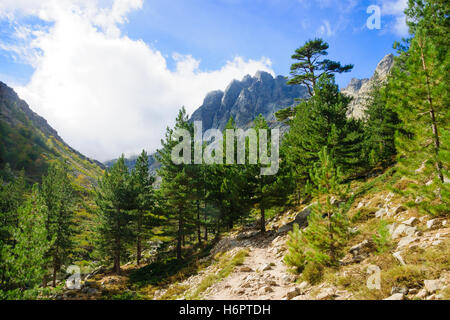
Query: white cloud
point(395, 8)
point(104, 92)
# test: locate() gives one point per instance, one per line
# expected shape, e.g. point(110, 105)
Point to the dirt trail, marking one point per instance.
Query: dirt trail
point(263, 276)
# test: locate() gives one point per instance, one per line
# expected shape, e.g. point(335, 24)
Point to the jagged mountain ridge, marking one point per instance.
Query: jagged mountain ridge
point(360, 89)
point(245, 100)
point(27, 141)
point(263, 94)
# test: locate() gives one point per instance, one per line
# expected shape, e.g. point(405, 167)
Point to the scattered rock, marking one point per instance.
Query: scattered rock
point(399, 209)
point(421, 294)
point(402, 290)
point(326, 293)
point(380, 213)
point(267, 289)
point(411, 222)
point(293, 293)
point(403, 229)
point(395, 296)
point(302, 286)
point(413, 291)
point(364, 247)
point(433, 285)
point(406, 240)
point(267, 267)
point(399, 257)
point(246, 269)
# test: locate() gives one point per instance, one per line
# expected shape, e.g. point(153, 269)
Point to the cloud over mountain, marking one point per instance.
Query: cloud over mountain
point(104, 92)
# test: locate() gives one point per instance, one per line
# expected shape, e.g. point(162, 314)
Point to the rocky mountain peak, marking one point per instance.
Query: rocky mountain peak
point(263, 76)
point(355, 84)
point(246, 99)
point(384, 66)
point(360, 89)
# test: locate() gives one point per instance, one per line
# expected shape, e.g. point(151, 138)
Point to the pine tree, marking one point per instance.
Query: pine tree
point(328, 224)
point(419, 94)
point(322, 122)
point(379, 130)
point(27, 258)
point(114, 198)
point(309, 68)
point(143, 184)
point(175, 185)
point(321, 243)
point(59, 198)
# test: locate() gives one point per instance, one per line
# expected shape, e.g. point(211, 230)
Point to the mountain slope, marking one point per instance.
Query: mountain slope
point(28, 142)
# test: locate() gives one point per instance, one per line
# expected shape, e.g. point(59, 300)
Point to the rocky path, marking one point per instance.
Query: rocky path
point(263, 276)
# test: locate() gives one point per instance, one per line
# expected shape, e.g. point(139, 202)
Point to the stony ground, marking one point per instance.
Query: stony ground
point(416, 266)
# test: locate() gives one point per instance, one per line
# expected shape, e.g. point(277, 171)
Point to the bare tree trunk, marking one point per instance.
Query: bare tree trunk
point(263, 219)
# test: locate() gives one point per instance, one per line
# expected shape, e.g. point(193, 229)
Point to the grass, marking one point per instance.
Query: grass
point(226, 265)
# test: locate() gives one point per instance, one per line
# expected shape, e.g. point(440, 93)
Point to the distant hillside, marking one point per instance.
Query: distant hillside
point(131, 162)
point(28, 142)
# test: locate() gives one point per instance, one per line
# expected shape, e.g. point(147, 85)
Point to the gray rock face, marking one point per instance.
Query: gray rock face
point(246, 99)
point(360, 90)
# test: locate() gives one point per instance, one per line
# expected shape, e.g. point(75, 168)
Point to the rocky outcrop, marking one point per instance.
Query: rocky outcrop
point(246, 99)
point(360, 89)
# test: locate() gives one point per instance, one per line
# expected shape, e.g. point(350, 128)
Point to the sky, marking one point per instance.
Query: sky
point(111, 75)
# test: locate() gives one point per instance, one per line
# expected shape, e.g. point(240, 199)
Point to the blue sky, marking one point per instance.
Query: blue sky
point(99, 65)
point(216, 31)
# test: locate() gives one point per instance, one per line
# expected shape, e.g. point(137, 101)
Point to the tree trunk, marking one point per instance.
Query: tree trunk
point(263, 219)
point(432, 115)
point(117, 248)
point(139, 249)
point(55, 268)
point(179, 237)
point(206, 227)
point(199, 232)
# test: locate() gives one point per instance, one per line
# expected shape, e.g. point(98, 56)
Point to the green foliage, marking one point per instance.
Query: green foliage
point(419, 94)
point(143, 185)
point(114, 197)
point(321, 244)
point(379, 130)
point(23, 261)
point(295, 257)
point(382, 237)
point(310, 68)
point(322, 122)
point(59, 198)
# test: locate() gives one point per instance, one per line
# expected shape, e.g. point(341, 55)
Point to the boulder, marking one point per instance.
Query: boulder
point(294, 292)
point(246, 269)
point(402, 290)
point(364, 247)
point(399, 257)
point(421, 294)
point(433, 285)
point(406, 240)
point(395, 296)
point(432, 224)
point(326, 293)
point(411, 222)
